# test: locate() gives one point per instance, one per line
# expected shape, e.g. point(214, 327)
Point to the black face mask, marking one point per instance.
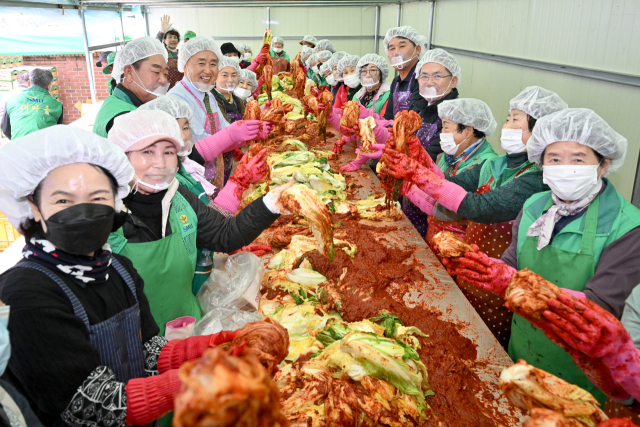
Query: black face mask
point(80, 229)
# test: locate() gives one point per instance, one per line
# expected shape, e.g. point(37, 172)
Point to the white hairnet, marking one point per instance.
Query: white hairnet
point(134, 51)
point(249, 75)
point(227, 61)
point(177, 108)
point(243, 46)
point(306, 50)
point(444, 58)
point(324, 68)
point(325, 54)
point(335, 58)
point(277, 39)
point(138, 129)
point(580, 125)
point(325, 44)
point(312, 57)
point(406, 32)
point(347, 61)
point(469, 112)
point(538, 102)
point(310, 39)
point(195, 45)
point(27, 163)
point(378, 61)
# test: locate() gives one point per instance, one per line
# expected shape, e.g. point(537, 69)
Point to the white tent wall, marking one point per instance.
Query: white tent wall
point(237, 24)
point(595, 34)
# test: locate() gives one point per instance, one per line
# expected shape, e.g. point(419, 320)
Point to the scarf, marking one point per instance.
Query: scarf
point(197, 172)
point(81, 268)
point(543, 226)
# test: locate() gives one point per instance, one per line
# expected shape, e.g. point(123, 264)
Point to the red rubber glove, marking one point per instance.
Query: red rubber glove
point(256, 92)
point(484, 272)
point(250, 171)
point(617, 422)
point(149, 398)
point(588, 328)
point(362, 158)
point(255, 248)
point(259, 59)
point(337, 147)
point(237, 154)
point(176, 352)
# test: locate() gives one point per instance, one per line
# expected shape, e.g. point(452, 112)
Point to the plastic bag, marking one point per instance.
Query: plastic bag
point(229, 298)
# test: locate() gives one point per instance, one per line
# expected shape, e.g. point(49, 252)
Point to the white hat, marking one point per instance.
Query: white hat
point(195, 45)
point(406, 32)
point(580, 125)
point(134, 51)
point(27, 162)
point(444, 58)
point(378, 61)
point(309, 39)
point(469, 112)
point(177, 108)
point(139, 129)
point(538, 102)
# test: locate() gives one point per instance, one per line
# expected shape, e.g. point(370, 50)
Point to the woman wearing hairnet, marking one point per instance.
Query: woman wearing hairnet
point(311, 63)
point(308, 41)
point(324, 44)
point(305, 53)
point(86, 349)
point(245, 55)
point(199, 59)
point(280, 59)
point(140, 69)
point(321, 58)
point(247, 84)
point(191, 176)
point(167, 222)
point(582, 235)
point(334, 80)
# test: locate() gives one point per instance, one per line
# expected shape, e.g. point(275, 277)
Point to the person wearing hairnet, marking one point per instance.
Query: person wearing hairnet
point(189, 35)
point(321, 58)
point(334, 80)
point(311, 63)
point(582, 235)
point(166, 222)
point(245, 55)
point(305, 53)
point(346, 69)
point(309, 41)
point(140, 71)
point(324, 44)
point(280, 58)
point(86, 348)
point(247, 84)
point(191, 176)
point(199, 60)
point(373, 72)
point(232, 106)
point(325, 72)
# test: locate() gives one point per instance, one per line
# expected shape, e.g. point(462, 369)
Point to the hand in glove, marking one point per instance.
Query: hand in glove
point(418, 197)
point(256, 92)
point(416, 151)
point(259, 59)
point(255, 248)
point(149, 398)
point(337, 146)
point(231, 137)
point(176, 352)
point(484, 272)
point(247, 172)
point(362, 158)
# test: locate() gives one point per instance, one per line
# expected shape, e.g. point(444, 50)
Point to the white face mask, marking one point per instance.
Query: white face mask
point(228, 87)
point(185, 150)
point(571, 182)
point(398, 61)
point(201, 87)
point(277, 49)
point(169, 175)
point(246, 56)
point(242, 92)
point(315, 69)
point(159, 91)
point(448, 144)
point(331, 80)
point(352, 80)
point(511, 141)
point(431, 92)
point(234, 59)
point(368, 82)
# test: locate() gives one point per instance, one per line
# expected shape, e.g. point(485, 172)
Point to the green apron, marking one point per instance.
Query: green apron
point(484, 153)
point(570, 270)
point(167, 265)
point(492, 171)
point(115, 104)
point(31, 110)
point(204, 262)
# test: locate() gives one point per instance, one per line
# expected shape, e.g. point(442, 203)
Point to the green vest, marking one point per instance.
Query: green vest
point(31, 110)
point(497, 168)
point(186, 180)
point(110, 85)
point(115, 104)
point(379, 103)
point(167, 265)
point(284, 55)
point(484, 153)
point(569, 261)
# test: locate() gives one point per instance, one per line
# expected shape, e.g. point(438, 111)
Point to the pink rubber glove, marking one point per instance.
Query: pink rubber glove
point(337, 147)
point(591, 330)
point(335, 114)
point(381, 133)
point(231, 137)
point(257, 91)
point(400, 166)
point(421, 199)
point(259, 59)
point(380, 121)
point(267, 105)
point(362, 158)
point(485, 272)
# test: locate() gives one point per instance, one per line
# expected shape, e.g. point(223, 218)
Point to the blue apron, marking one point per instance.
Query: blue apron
point(117, 339)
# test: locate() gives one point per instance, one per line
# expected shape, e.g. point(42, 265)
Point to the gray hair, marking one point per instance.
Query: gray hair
point(23, 77)
point(40, 77)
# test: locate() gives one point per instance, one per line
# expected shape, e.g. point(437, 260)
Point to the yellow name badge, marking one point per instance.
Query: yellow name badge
point(184, 219)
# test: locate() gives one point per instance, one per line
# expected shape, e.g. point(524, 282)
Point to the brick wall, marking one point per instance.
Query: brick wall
point(72, 80)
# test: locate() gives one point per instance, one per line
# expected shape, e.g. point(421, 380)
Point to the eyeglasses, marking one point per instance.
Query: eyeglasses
point(436, 78)
point(369, 72)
